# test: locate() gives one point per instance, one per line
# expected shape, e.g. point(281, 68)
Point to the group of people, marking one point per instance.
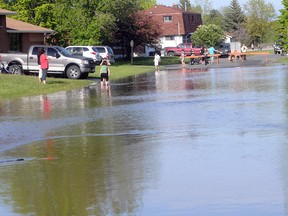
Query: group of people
point(205, 52)
point(239, 55)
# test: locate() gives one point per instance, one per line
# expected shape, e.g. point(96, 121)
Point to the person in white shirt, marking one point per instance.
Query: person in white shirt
point(156, 60)
point(243, 50)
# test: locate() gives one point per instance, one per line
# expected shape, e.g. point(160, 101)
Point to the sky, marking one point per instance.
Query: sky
point(217, 4)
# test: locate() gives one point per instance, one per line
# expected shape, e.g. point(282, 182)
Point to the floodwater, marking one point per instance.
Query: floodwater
point(177, 142)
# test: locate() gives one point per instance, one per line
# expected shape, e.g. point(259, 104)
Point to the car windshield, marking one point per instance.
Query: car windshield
point(63, 51)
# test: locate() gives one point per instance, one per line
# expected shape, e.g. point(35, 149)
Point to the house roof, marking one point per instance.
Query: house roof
point(16, 26)
point(6, 12)
point(163, 9)
point(182, 22)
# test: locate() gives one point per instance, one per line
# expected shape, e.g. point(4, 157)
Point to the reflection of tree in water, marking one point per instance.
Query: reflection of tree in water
point(101, 176)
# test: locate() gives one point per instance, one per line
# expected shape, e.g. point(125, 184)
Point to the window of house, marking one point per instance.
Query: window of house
point(167, 18)
point(15, 42)
point(168, 38)
point(191, 18)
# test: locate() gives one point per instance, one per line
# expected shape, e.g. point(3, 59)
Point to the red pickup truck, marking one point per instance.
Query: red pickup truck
point(186, 47)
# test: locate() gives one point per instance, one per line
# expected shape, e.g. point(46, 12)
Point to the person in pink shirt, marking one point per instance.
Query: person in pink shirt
point(44, 65)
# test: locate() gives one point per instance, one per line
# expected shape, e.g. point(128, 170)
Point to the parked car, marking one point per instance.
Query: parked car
point(86, 51)
point(106, 52)
point(60, 62)
point(224, 49)
point(186, 47)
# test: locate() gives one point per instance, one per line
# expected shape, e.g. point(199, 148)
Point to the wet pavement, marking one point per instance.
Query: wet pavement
point(193, 141)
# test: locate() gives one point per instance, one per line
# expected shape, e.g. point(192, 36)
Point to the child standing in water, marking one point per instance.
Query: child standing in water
point(104, 73)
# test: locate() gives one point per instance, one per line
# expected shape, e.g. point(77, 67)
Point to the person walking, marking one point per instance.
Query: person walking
point(157, 60)
point(44, 65)
point(243, 51)
point(39, 53)
point(212, 51)
point(104, 73)
point(182, 57)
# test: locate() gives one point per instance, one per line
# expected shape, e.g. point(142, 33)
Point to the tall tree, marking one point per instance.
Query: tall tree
point(185, 5)
point(215, 17)
point(89, 22)
point(282, 29)
point(234, 17)
point(145, 4)
point(260, 15)
point(204, 7)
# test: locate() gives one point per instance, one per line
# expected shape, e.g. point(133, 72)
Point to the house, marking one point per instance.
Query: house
point(19, 36)
point(177, 25)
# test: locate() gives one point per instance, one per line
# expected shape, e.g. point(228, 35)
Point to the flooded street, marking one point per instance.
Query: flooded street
point(175, 142)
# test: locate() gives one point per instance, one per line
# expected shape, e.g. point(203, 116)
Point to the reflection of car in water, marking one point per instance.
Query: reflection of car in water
point(224, 49)
point(278, 47)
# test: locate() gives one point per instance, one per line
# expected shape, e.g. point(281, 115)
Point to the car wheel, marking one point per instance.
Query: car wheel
point(15, 69)
point(170, 54)
point(73, 72)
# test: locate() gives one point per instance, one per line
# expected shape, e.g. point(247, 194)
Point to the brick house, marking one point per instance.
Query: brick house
point(177, 25)
point(19, 36)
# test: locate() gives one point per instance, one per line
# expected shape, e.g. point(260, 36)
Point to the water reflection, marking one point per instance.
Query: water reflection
point(183, 142)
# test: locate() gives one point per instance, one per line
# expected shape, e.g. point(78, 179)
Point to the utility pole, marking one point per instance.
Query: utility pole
point(185, 5)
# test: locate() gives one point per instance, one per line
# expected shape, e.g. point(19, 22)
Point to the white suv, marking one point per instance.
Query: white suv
point(106, 52)
point(86, 51)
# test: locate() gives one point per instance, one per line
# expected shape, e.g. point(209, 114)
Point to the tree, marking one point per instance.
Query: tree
point(208, 35)
point(215, 17)
point(234, 17)
point(282, 23)
point(89, 22)
point(185, 5)
point(135, 26)
point(204, 7)
point(259, 19)
point(145, 4)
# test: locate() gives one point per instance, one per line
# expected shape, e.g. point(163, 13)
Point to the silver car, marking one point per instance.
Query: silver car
point(86, 51)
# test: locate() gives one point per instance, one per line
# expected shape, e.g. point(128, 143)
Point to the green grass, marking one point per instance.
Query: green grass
point(15, 86)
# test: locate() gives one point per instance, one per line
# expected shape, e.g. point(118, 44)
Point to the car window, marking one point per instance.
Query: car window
point(181, 45)
point(35, 50)
point(95, 49)
point(188, 45)
point(85, 49)
point(69, 49)
point(63, 51)
point(101, 49)
point(110, 50)
point(78, 51)
point(51, 52)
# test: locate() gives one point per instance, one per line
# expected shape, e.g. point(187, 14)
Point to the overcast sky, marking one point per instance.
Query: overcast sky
point(217, 4)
